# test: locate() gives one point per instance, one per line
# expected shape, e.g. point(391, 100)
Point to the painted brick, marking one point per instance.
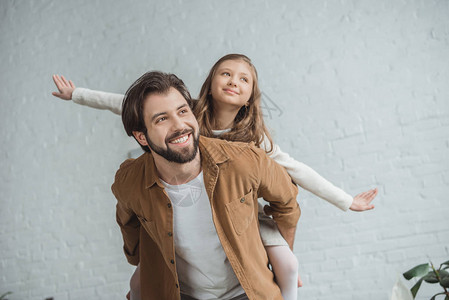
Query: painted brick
point(362, 90)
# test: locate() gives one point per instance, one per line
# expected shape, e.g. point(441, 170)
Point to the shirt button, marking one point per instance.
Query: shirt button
point(170, 234)
point(242, 200)
point(169, 205)
point(172, 261)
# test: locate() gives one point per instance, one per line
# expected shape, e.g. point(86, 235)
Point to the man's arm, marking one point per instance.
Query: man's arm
point(288, 233)
point(126, 218)
point(130, 228)
point(277, 188)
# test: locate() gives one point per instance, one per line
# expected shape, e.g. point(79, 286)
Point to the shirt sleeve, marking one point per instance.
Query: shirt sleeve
point(309, 179)
point(277, 188)
point(128, 222)
point(130, 228)
point(98, 99)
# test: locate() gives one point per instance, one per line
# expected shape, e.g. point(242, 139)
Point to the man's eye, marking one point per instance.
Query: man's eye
point(183, 111)
point(161, 119)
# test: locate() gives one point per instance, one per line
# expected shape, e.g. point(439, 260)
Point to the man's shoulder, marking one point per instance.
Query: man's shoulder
point(130, 171)
point(233, 150)
point(228, 145)
point(132, 165)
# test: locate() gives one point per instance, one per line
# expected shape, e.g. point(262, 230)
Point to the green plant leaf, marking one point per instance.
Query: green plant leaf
point(434, 296)
point(431, 277)
point(5, 294)
point(444, 279)
point(417, 271)
point(446, 264)
point(416, 287)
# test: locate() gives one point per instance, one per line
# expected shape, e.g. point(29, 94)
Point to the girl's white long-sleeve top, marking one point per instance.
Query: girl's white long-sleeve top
point(301, 174)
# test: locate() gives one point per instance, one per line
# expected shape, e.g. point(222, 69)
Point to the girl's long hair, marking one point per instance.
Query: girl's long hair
point(248, 125)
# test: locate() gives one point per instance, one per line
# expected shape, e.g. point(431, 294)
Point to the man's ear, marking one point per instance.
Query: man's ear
point(140, 138)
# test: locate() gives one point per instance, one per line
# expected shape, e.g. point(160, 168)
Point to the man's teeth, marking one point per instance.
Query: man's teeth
point(180, 140)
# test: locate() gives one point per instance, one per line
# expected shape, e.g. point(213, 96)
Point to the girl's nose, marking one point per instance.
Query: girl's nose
point(231, 82)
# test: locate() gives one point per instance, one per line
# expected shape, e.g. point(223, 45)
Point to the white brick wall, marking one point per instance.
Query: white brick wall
point(362, 88)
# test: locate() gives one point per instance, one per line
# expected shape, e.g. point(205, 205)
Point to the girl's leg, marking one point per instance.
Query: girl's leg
point(285, 268)
point(135, 284)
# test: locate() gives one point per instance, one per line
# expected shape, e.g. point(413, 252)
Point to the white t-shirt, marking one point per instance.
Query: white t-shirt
point(203, 269)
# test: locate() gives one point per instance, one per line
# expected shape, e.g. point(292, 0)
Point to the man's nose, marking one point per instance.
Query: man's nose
point(177, 124)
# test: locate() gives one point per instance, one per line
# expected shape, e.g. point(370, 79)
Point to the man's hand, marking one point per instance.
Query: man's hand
point(363, 200)
point(65, 87)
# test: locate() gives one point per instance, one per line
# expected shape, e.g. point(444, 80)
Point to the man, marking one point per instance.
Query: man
point(187, 208)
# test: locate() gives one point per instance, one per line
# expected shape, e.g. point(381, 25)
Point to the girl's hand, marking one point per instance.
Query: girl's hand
point(65, 88)
point(363, 200)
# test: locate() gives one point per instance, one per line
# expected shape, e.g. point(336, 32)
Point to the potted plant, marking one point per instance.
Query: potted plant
point(428, 273)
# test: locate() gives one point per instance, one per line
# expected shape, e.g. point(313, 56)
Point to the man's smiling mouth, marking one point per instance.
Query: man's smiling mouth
point(181, 139)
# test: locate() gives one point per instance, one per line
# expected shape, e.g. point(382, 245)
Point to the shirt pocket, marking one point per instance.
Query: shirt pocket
point(241, 212)
point(149, 226)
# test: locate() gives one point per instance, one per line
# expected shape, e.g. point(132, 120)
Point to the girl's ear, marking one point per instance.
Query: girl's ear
point(140, 137)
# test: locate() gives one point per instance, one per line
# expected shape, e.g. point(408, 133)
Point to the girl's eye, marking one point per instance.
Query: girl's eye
point(226, 74)
point(183, 111)
point(244, 79)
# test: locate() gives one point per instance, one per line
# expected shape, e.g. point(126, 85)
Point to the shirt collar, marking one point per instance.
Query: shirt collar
point(217, 132)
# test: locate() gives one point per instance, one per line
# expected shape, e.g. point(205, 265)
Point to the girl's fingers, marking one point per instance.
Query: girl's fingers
point(373, 193)
point(364, 194)
point(57, 81)
point(64, 80)
point(370, 194)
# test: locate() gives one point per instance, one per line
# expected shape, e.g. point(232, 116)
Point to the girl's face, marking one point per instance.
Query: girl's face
point(232, 84)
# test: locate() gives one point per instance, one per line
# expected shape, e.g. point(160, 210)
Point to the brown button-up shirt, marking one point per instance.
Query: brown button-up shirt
point(235, 175)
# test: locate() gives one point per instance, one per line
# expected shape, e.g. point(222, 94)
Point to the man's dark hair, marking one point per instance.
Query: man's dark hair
point(154, 82)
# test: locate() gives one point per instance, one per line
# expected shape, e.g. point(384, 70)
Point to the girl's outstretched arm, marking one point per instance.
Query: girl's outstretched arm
point(310, 180)
point(91, 98)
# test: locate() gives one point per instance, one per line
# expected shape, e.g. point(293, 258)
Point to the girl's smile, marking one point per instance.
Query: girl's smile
point(230, 91)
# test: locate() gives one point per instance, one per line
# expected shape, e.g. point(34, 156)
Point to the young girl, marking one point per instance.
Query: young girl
point(229, 108)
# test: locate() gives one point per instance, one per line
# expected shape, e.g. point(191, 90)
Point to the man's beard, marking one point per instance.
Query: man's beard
point(185, 156)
